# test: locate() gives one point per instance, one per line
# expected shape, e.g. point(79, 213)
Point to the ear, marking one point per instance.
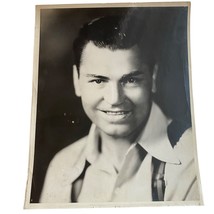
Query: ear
point(76, 81)
point(154, 78)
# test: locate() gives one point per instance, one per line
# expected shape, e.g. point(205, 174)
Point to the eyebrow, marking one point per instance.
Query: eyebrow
point(97, 76)
point(125, 76)
point(134, 73)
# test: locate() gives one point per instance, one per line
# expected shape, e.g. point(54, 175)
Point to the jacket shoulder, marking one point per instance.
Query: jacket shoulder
point(185, 147)
point(69, 154)
point(181, 180)
point(57, 184)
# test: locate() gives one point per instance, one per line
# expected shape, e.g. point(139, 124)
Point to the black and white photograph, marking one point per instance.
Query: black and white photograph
point(112, 110)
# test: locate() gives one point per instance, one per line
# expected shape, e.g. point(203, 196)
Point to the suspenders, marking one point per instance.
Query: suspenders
point(158, 184)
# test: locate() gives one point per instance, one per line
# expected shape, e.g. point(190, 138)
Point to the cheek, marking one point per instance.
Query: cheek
point(139, 95)
point(87, 92)
point(90, 98)
point(88, 106)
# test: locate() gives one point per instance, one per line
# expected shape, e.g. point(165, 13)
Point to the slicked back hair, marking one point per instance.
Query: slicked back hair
point(113, 32)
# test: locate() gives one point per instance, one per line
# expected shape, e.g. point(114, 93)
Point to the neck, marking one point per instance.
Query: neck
point(116, 147)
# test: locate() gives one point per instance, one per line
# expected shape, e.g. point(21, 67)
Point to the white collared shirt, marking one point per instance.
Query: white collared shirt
point(133, 181)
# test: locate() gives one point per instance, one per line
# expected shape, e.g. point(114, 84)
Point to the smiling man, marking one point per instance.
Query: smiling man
point(127, 156)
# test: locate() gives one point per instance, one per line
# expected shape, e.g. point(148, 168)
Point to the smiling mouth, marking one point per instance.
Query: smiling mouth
point(116, 112)
point(116, 116)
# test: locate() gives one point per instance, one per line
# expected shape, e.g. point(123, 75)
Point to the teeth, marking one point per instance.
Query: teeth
point(116, 112)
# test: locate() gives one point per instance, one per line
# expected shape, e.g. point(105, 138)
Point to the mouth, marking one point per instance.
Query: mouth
point(116, 112)
point(116, 116)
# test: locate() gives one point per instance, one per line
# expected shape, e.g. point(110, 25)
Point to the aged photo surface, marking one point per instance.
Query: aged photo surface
point(112, 111)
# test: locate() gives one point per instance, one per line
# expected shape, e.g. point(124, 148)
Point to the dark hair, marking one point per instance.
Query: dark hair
point(113, 32)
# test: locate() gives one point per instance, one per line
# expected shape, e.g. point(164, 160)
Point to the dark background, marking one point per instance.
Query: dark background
point(60, 118)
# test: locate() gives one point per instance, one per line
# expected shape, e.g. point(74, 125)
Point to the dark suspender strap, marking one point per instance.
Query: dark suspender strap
point(158, 183)
point(77, 184)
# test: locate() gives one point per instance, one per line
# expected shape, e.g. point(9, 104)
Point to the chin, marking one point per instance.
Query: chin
point(117, 132)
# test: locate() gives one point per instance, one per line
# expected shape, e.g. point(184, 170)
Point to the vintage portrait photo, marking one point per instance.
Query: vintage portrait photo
point(112, 111)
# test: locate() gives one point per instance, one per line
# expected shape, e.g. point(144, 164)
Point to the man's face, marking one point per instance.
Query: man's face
point(115, 88)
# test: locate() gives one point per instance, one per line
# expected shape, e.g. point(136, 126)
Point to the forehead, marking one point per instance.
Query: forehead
point(104, 60)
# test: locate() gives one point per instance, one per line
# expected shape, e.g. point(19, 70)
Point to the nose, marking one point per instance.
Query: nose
point(114, 94)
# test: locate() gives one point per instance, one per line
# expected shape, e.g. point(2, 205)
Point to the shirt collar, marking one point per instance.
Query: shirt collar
point(92, 148)
point(93, 154)
point(153, 139)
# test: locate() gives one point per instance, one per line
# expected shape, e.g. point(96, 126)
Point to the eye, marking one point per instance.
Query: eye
point(131, 80)
point(97, 81)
